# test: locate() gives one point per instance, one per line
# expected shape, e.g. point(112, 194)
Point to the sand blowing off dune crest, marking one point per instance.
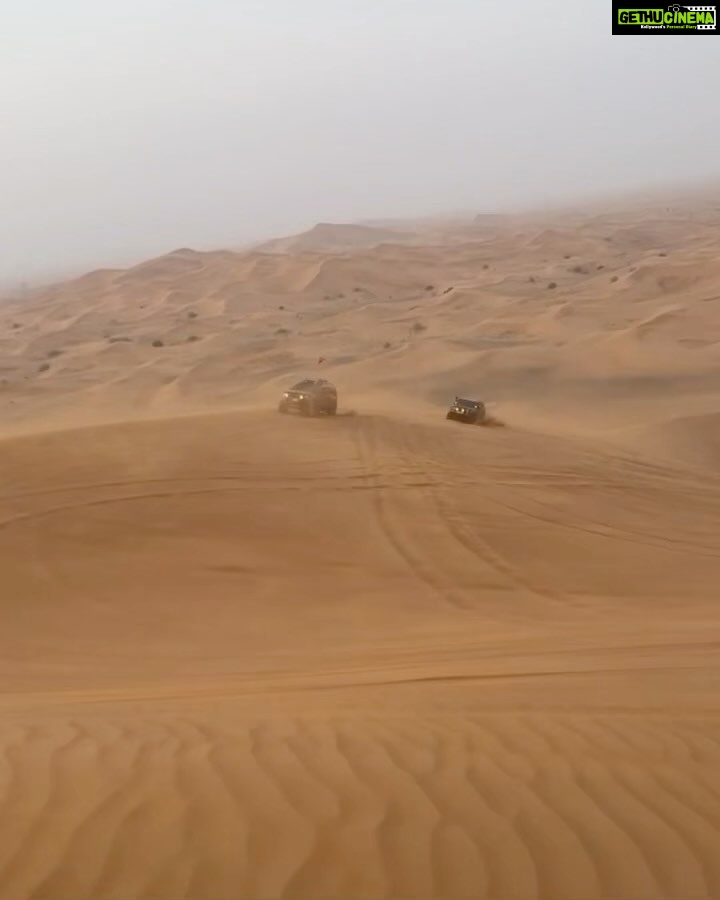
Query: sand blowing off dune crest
point(382, 655)
point(694, 440)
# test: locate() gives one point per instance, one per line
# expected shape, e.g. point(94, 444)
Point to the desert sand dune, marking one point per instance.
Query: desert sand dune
point(379, 655)
point(328, 237)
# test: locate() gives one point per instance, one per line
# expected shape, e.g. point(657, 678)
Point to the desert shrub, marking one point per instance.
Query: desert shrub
point(429, 287)
point(192, 339)
point(119, 340)
point(282, 331)
point(281, 307)
point(662, 254)
point(54, 353)
point(158, 343)
point(579, 270)
point(552, 286)
point(418, 327)
point(44, 367)
point(387, 345)
point(17, 325)
point(486, 266)
point(192, 315)
point(614, 278)
point(601, 266)
point(531, 279)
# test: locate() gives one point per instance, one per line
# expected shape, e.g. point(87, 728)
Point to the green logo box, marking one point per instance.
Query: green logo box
point(671, 19)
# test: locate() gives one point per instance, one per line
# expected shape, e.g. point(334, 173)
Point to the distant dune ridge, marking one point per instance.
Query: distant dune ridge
point(380, 655)
point(327, 237)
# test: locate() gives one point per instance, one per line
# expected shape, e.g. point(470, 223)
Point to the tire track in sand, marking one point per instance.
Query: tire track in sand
point(364, 436)
point(477, 553)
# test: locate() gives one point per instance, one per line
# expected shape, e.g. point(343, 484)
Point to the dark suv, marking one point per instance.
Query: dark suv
point(471, 411)
point(310, 398)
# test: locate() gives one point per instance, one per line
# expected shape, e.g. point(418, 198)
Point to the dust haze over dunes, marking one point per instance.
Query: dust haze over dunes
point(251, 656)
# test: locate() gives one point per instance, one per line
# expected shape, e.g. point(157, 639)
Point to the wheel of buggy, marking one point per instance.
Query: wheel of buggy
point(448, 416)
point(332, 410)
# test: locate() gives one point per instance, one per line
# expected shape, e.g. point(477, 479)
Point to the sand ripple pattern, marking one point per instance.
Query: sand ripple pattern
point(505, 806)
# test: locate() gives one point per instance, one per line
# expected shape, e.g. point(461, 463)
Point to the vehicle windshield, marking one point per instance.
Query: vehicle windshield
point(306, 384)
point(472, 404)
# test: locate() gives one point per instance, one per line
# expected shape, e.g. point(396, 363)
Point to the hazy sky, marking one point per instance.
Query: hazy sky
point(131, 127)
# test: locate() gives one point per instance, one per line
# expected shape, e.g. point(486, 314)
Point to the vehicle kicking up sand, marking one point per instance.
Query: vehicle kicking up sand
point(310, 398)
point(470, 411)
